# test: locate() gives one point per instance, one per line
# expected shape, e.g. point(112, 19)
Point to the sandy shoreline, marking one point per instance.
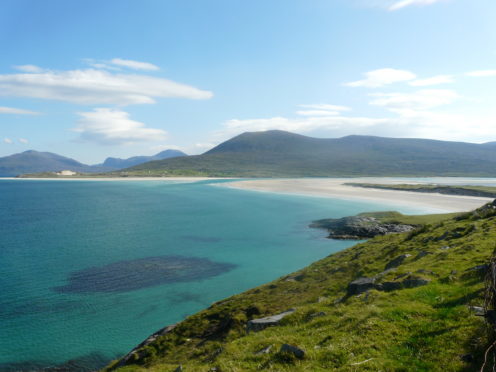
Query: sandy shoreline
point(176, 179)
point(335, 188)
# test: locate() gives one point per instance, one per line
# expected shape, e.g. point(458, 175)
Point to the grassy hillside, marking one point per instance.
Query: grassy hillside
point(283, 154)
point(429, 327)
point(482, 191)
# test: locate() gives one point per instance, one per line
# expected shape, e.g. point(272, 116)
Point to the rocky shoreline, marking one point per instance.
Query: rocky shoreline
point(359, 227)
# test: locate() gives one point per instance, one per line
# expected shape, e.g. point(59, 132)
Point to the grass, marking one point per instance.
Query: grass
point(482, 191)
point(427, 328)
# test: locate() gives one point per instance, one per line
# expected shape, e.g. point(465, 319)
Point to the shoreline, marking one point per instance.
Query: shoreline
point(177, 179)
point(334, 188)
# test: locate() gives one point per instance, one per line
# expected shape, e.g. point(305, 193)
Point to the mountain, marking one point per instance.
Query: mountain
point(35, 162)
point(117, 163)
point(31, 161)
point(283, 154)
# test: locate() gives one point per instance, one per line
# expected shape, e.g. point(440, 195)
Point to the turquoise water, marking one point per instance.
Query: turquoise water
point(89, 269)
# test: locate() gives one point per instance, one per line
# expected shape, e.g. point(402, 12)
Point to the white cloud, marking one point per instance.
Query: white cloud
point(136, 65)
point(316, 113)
point(28, 68)
point(381, 77)
point(12, 110)
point(404, 3)
point(114, 127)
point(325, 106)
point(8, 141)
point(482, 73)
point(92, 86)
point(338, 123)
point(420, 100)
point(435, 80)
point(23, 141)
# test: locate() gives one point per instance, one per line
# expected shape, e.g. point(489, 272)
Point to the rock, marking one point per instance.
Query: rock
point(479, 268)
point(138, 352)
point(423, 271)
point(413, 282)
point(179, 369)
point(296, 351)
point(422, 254)
point(490, 316)
point(316, 315)
point(477, 310)
point(359, 227)
point(265, 350)
point(262, 323)
point(391, 286)
point(467, 358)
point(322, 299)
point(360, 285)
point(397, 261)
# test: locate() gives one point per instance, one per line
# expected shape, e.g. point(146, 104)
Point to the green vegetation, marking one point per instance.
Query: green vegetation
point(283, 154)
point(427, 328)
point(482, 191)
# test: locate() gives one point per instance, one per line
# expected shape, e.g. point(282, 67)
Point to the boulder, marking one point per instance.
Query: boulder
point(262, 323)
point(397, 261)
point(360, 285)
point(413, 282)
point(296, 351)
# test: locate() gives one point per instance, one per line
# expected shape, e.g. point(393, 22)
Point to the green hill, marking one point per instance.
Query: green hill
point(34, 162)
point(399, 302)
point(283, 154)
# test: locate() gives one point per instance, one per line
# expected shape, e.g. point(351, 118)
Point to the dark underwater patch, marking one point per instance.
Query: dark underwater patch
point(86, 363)
point(129, 275)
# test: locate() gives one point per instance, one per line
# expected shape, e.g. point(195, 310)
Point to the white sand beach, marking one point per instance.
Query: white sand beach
point(335, 188)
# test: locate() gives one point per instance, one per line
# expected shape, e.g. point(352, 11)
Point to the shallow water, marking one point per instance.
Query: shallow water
point(90, 269)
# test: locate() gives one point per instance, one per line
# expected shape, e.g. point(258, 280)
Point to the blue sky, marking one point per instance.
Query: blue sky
point(92, 79)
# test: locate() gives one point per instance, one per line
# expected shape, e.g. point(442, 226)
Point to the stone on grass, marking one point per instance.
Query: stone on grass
point(360, 285)
point(262, 323)
point(295, 350)
point(397, 261)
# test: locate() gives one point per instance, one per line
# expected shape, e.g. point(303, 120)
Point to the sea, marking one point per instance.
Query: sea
point(89, 269)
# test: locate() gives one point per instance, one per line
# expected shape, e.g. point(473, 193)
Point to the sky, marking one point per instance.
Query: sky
point(91, 79)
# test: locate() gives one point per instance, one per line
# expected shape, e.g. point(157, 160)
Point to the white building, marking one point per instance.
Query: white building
point(66, 173)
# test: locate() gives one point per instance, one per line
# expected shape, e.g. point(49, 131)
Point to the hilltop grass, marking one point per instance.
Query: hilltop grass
point(483, 191)
point(428, 328)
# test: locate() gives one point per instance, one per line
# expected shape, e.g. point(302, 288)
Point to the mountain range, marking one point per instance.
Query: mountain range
point(37, 162)
point(282, 154)
point(277, 153)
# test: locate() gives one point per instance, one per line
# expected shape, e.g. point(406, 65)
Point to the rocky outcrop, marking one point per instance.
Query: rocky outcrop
point(360, 285)
point(262, 323)
point(136, 352)
point(359, 227)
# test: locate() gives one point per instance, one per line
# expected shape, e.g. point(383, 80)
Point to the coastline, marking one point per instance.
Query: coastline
point(176, 179)
point(335, 188)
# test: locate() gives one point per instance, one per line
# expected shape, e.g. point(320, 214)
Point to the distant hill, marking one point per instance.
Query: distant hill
point(30, 162)
point(117, 163)
point(283, 154)
point(34, 162)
